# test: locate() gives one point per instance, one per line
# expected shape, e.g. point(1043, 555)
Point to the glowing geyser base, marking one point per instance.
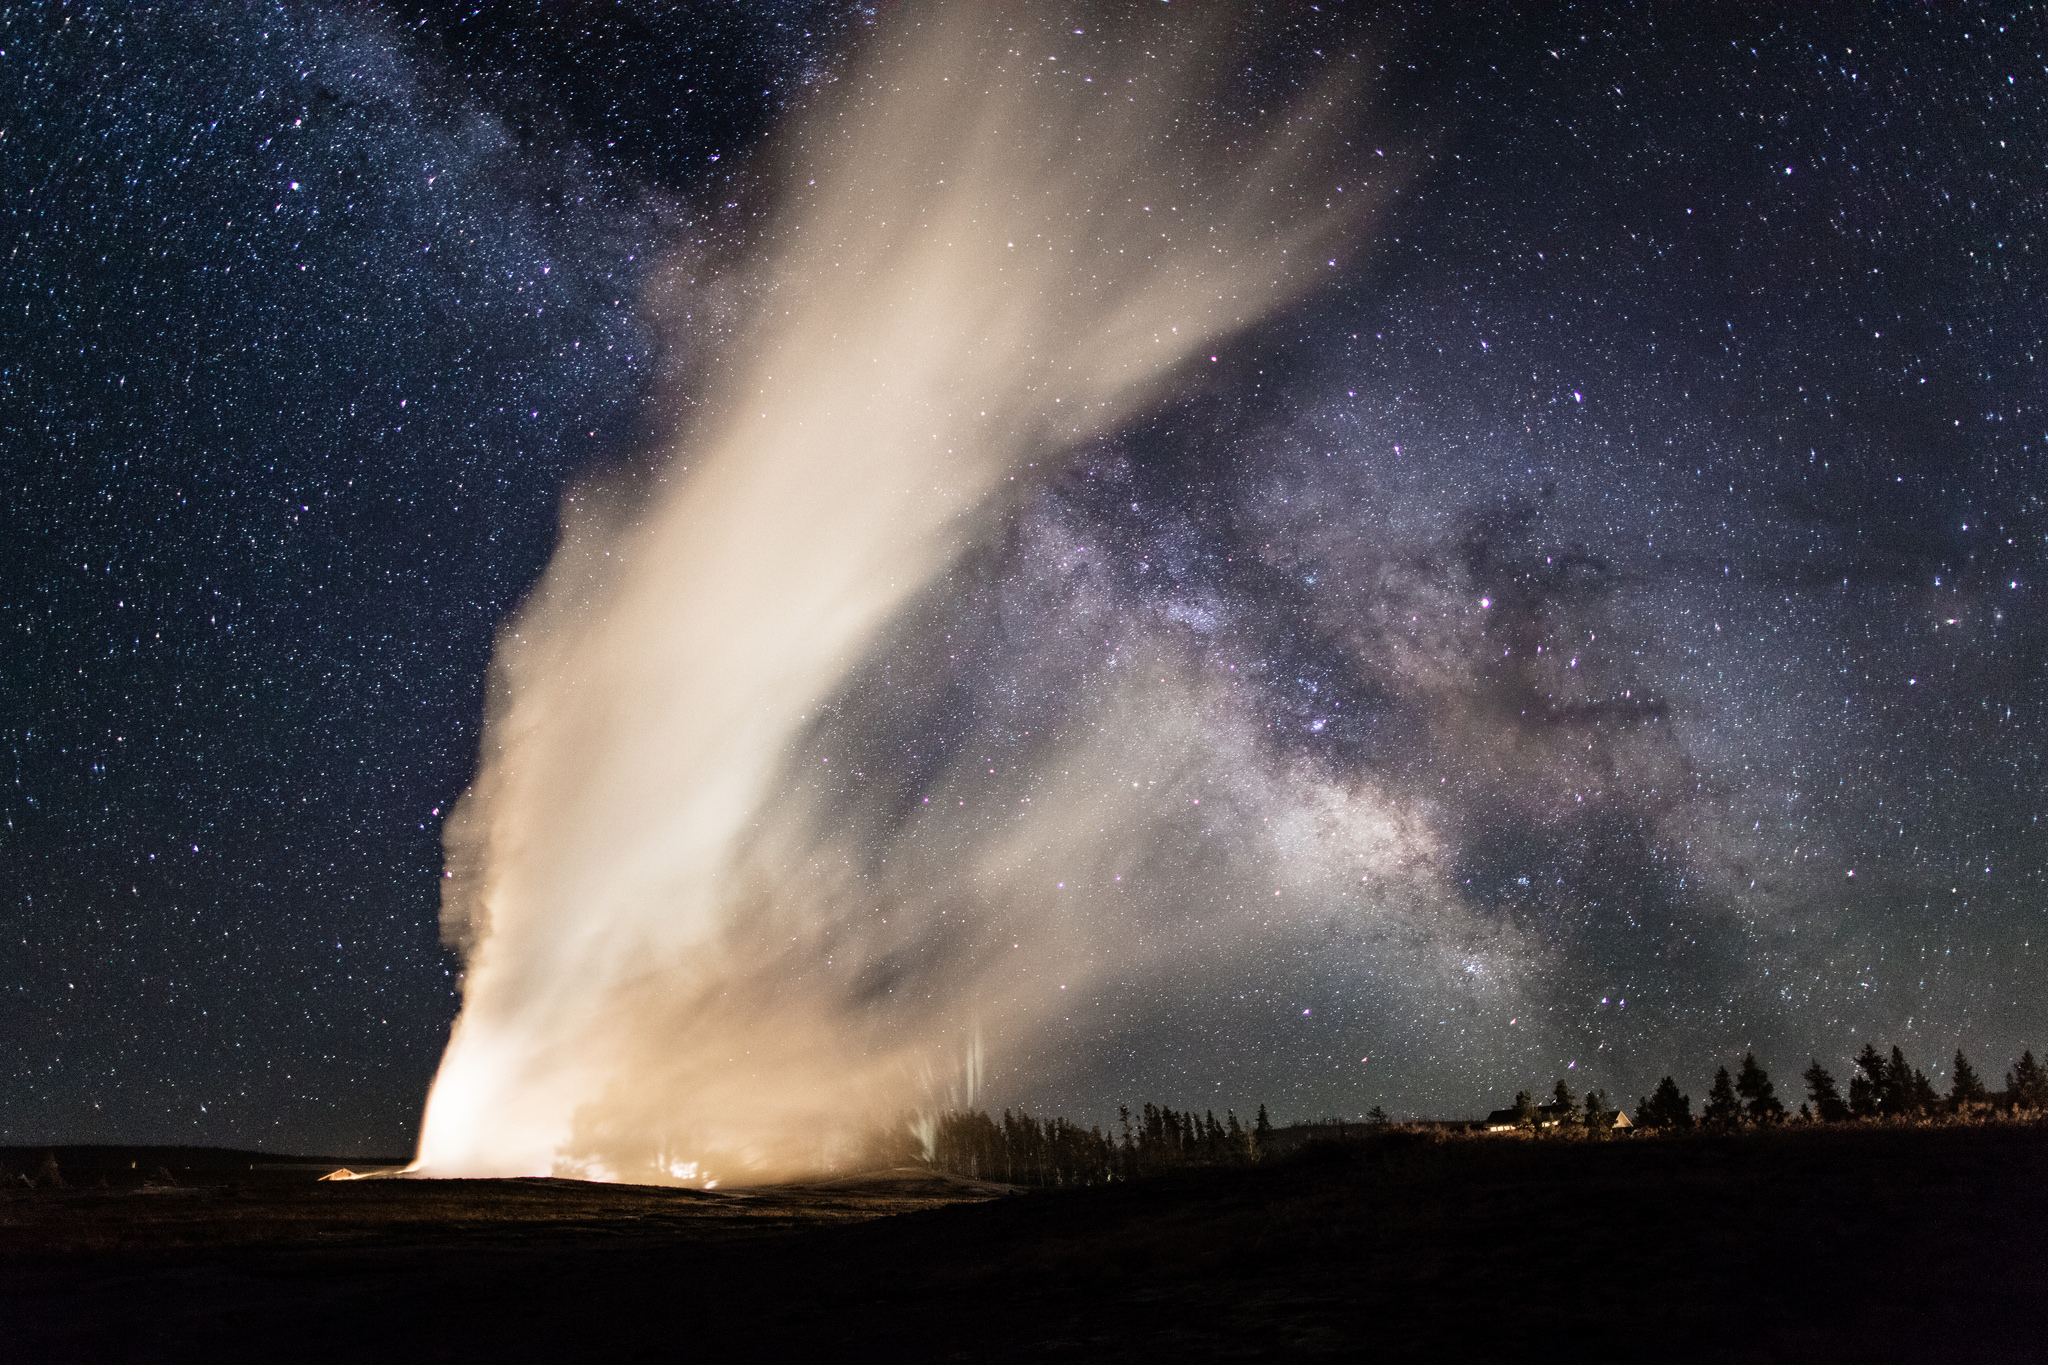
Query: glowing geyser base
point(671, 972)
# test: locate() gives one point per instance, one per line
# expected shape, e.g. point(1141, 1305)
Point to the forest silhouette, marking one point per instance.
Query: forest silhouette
point(1017, 1148)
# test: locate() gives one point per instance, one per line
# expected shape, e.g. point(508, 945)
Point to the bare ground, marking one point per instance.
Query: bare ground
point(1861, 1243)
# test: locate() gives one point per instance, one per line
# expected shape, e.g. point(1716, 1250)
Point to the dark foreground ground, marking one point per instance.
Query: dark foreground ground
point(1864, 1244)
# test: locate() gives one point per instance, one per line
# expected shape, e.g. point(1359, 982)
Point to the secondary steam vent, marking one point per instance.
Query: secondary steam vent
point(683, 960)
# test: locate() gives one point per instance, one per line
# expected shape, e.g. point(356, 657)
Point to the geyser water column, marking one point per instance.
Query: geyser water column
point(996, 236)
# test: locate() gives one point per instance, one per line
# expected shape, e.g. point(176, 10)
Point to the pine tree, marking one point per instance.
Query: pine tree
point(1525, 1110)
point(1376, 1117)
point(1754, 1085)
point(2027, 1083)
point(1599, 1118)
point(1866, 1091)
point(1722, 1110)
point(1262, 1132)
point(1897, 1092)
point(1967, 1088)
point(1151, 1137)
point(1820, 1089)
point(1665, 1107)
point(1564, 1106)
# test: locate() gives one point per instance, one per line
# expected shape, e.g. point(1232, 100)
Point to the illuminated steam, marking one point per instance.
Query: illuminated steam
point(693, 948)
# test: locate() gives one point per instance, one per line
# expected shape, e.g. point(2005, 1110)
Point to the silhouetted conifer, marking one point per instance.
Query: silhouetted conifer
point(1866, 1090)
point(2027, 1084)
point(1262, 1131)
point(1599, 1118)
point(1525, 1110)
point(1376, 1117)
point(1820, 1089)
point(1924, 1098)
point(1897, 1092)
point(1665, 1107)
point(1564, 1106)
point(1965, 1089)
point(1723, 1109)
point(1754, 1085)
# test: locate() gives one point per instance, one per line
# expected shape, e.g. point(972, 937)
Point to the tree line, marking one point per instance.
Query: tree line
point(1880, 1087)
point(1021, 1150)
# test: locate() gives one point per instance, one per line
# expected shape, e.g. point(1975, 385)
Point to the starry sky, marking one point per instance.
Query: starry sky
point(1650, 515)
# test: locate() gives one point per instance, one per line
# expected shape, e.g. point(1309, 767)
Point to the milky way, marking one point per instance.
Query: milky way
point(1621, 585)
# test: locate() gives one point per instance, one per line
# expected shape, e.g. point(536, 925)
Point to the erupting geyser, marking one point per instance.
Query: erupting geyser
point(994, 239)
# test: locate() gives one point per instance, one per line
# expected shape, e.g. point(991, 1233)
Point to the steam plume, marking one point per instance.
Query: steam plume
point(676, 963)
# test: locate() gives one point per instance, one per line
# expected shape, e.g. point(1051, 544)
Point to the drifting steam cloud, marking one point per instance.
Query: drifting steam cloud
point(706, 932)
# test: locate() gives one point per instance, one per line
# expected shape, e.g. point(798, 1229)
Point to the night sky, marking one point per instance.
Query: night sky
point(1701, 352)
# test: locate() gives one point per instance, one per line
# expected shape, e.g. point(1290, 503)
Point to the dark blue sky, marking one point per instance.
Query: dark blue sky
point(1703, 326)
